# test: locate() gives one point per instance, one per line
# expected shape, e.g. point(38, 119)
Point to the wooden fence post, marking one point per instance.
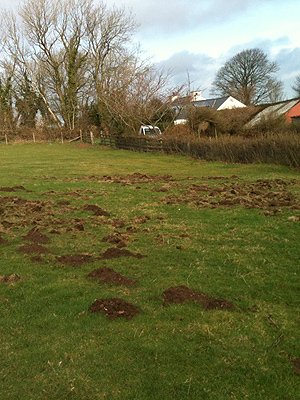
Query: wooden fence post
point(6, 141)
point(92, 138)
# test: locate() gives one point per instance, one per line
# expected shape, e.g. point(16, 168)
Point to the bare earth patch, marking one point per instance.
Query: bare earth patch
point(108, 275)
point(181, 294)
point(34, 235)
point(33, 248)
point(117, 238)
point(262, 194)
point(13, 189)
point(98, 211)
point(114, 308)
point(10, 278)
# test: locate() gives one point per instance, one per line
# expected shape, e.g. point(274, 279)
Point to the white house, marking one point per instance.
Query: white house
point(197, 100)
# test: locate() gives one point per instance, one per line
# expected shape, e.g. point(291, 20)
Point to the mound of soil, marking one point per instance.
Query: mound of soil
point(114, 252)
point(181, 294)
point(10, 278)
point(116, 223)
point(33, 248)
point(63, 203)
point(108, 275)
point(35, 236)
point(20, 187)
point(96, 210)
point(114, 308)
point(75, 260)
point(7, 189)
point(117, 238)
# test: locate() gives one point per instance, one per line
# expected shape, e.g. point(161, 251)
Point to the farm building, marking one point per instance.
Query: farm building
point(289, 108)
point(197, 100)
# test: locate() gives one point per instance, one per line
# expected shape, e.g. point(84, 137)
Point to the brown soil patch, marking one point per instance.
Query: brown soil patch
point(140, 220)
point(20, 187)
point(63, 203)
point(75, 260)
point(114, 308)
point(10, 278)
point(137, 178)
point(116, 223)
point(130, 179)
point(7, 189)
point(261, 194)
point(108, 275)
point(33, 248)
point(34, 235)
point(114, 252)
point(19, 208)
point(163, 190)
point(117, 238)
point(96, 210)
point(181, 294)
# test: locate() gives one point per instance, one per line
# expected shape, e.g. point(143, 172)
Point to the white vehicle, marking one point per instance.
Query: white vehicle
point(149, 130)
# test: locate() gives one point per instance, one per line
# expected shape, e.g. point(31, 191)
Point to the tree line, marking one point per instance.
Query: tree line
point(74, 62)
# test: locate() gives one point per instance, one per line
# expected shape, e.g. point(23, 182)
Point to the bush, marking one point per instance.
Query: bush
point(206, 121)
point(281, 148)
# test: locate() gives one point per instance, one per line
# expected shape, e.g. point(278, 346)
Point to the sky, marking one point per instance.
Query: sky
point(194, 38)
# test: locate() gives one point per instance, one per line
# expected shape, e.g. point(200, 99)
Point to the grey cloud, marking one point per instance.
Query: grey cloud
point(266, 45)
point(198, 68)
point(175, 16)
point(289, 63)
point(202, 68)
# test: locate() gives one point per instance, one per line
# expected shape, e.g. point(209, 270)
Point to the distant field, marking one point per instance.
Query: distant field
point(147, 277)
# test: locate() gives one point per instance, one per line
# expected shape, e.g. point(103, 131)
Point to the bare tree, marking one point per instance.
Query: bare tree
point(249, 77)
point(73, 54)
point(296, 85)
point(55, 30)
point(20, 54)
point(125, 85)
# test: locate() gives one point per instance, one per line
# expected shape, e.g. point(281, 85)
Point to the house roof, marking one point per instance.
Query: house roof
point(213, 103)
point(216, 104)
point(275, 110)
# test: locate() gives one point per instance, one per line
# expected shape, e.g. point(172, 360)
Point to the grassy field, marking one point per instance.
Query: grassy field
point(228, 231)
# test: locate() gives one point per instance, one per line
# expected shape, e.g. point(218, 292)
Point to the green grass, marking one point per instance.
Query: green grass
point(53, 348)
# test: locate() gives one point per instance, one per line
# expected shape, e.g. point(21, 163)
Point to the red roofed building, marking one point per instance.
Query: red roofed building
point(294, 112)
